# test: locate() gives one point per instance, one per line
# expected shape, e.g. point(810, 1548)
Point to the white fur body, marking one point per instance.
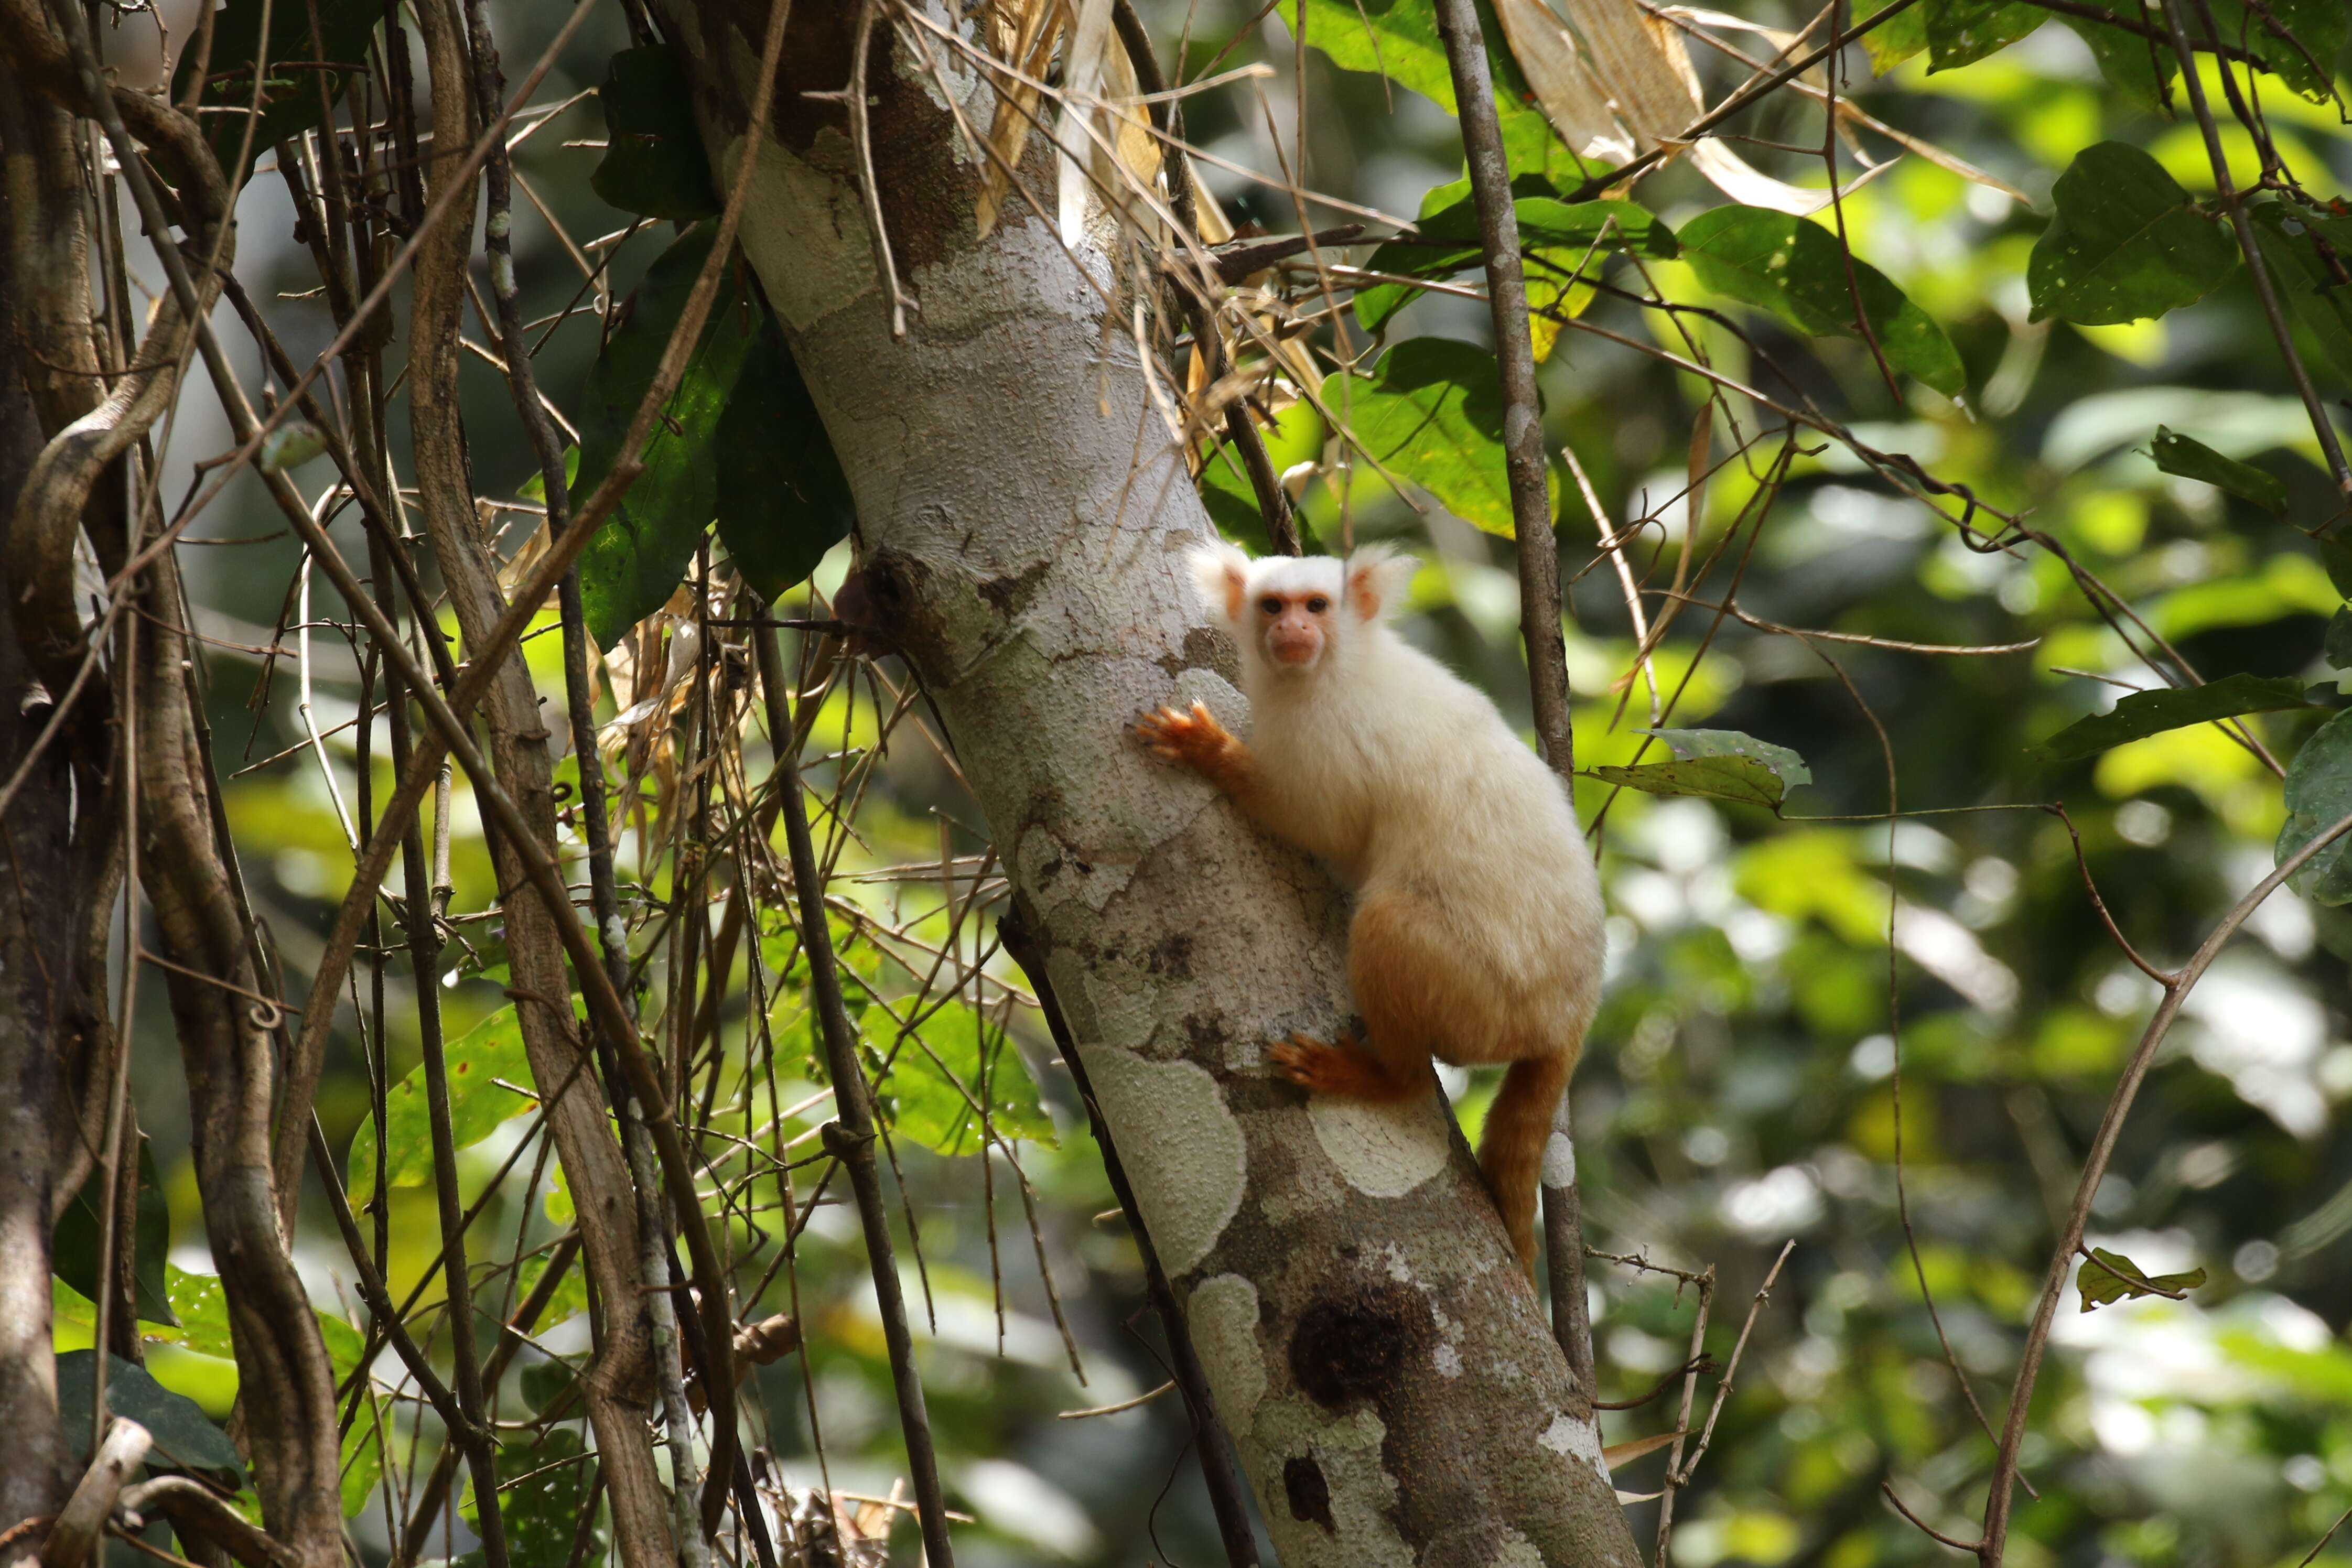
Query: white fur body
point(1406, 780)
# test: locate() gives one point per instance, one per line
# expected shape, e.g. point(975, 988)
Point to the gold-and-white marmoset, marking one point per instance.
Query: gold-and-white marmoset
point(1476, 936)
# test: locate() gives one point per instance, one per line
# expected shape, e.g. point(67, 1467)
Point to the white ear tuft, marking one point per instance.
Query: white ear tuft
point(1221, 572)
point(1377, 578)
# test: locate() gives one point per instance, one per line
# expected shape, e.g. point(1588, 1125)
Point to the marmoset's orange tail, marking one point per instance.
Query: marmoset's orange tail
point(1510, 1154)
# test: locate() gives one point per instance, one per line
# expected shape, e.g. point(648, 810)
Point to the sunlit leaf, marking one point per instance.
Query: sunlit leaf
point(479, 1104)
point(1718, 765)
point(2143, 713)
point(1433, 414)
point(2318, 796)
point(186, 1437)
point(653, 162)
point(2306, 57)
point(782, 499)
point(2127, 242)
point(363, 1465)
point(1796, 269)
point(75, 1246)
point(934, 1085)
point(1895, 40)
point(2192, 459)
point(637, 558)
point(2107, 1277)
point(1555, 236)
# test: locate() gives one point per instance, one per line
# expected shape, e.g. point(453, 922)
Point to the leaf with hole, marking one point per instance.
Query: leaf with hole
point(1716, 765)
point(782, 499)
point(2107, 1277)
point(2143, 713)
point(2320, 795)
point(1796, 269)
point(637, 558)
point(1556, 237)
point(186, 1437)
point(1961, 32)
point(2127, 242)
point(75, 1246)
point(2192, 459)
point(481, 1062)
point(654, 162)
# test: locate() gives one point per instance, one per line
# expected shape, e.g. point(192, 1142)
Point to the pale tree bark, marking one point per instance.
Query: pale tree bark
point(1373, 1349)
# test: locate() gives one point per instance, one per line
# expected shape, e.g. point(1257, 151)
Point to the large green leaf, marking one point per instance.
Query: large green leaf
point(290, 102)
point(2318, 796)
point(634, 564)
point(1893, 41)
point(2127, 242)
point(1398, 39)
point(543, 1484)
point(186, 1437)
point(1717, 765)
point(75, 1248)
point(479, 1105)
point(2192, 459)
point(2143, 713)
point(1795, 268)
point(2303, 278)
point(1962, 31)
point(1433, 415)
point(2305, 59)
point(653, 162)
point(935, 1084)
point(203, 1308)
point(2129, 61)
point(782, 499)
point(1554, 235)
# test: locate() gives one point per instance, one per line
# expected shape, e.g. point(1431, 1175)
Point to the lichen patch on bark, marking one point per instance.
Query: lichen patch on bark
point(1182, 1145)
point(1385, 1151)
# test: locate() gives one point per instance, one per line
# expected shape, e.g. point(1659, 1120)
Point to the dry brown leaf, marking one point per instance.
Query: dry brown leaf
point(1634, 1449)
point(1033, 27)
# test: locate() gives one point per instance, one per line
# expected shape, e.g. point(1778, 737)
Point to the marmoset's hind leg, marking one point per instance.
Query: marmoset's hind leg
point(1407, 987)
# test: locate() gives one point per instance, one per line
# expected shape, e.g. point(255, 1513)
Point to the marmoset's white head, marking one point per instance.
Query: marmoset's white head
point(1298, 616)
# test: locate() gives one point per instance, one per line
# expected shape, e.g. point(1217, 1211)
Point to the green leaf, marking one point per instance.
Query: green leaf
point(2318, 796)
point(2320, 29)
point(290, 101)
point(1896, 41)
point(570, 1297)
point(186, 1437)
point(545, 1382)
point(633, 563)
point(1554, 235)
point(1398, 40)
point(1962, 31)
point(363, 1465)
point(74, 1248)
point(934, 1084)
point(2143, 713)
point(2337, 556)
point(1718, 765)
point(782, 499)
point(1433, 414)
point(2129, 61)
point(2337, 646)
point(1796, 269)
point(2320, 303)
point(543, 1484)
point(653, 162)
point(2191, 459)
point(2127, 242)
point(479, 1105)
point(2108, 1277)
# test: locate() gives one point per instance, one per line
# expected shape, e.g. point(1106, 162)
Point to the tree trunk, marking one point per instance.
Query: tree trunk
point(1380, 1359)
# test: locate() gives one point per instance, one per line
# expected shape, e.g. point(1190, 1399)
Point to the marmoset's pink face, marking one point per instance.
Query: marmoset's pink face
point(1294, 628)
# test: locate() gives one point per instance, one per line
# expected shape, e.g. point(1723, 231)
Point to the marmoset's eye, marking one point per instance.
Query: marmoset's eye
point(1270, 605)
point(1317, 605)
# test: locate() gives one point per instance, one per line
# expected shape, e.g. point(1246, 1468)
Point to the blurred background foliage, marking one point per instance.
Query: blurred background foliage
point(1763, 1054)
